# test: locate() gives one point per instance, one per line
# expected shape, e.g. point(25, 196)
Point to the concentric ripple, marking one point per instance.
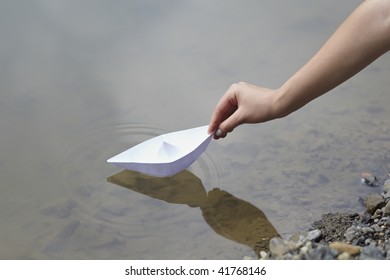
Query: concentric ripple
point(85, 172)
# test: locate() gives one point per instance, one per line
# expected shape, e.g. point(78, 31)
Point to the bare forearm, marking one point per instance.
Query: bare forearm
point(362, 38)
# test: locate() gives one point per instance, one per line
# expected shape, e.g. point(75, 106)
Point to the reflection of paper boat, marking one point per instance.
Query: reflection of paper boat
point(167, 154)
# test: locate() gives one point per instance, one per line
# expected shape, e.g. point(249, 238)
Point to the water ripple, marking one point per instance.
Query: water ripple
point(85, 170)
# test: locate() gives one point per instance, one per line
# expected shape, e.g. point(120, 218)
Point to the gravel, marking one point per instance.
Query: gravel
point(343, 236)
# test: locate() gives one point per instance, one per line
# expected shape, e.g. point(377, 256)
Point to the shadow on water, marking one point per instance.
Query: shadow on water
point(229, 216)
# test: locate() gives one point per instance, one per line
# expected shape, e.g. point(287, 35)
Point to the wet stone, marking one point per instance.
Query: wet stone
point(372, 253)
point(320, 253)
point(377, 228)
point(386, 209)
point(344, 256)
point(344, 247)
point(386, 186)
point(263, 254)
point(369, 179)
point(278, 247)
point(373, 202)
point(351, 233)
point(341, 236)
point(366, 230)
point(313, 235)
point(378, 213)
point(386, 189)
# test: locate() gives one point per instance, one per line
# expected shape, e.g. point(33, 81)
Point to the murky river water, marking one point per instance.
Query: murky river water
point(81, 81)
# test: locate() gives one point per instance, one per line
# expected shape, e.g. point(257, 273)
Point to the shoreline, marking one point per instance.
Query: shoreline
point(343, 236)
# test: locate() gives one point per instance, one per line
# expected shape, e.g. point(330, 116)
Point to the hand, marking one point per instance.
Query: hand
point(242, 103)
point(361, 38)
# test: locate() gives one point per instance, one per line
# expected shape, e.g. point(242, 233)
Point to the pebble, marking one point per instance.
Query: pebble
point(278, 246)
point(373, 202)
point(366, 238)
point(320, 252)
point(344, 256)
point(263, 254)
point(313, 235)
point(386, 189)
point(345, 247)
point(372, 253)
point(378, 213)
point(368, 179)
point(386, 209)
point(376, 227)
point(386, 186)
point(366, 230)
point(350, 233)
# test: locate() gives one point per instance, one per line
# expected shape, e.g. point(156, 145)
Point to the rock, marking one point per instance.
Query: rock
point(351, 233)
point(377, 228)
point(366, 230)
point(366, 218)
point(378, 213)
point(320, 253)
point(368, 241)
point(373, 202)
point(313, 235)
point(303, 250)
point(372, 253)
point(386, 209)
point(263, 255)
point(344, 256)
point(345, 247)
point(386, 189)
point(278, 247)
point(368, 179)
point(386, 186)
point(342, 236)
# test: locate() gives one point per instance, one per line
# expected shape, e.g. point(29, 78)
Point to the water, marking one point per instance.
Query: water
point(81, 81)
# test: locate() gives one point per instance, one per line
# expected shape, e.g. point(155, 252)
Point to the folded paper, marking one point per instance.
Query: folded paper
point(167, 154)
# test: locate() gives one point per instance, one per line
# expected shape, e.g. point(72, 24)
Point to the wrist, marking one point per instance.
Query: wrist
point(280, 103)
point(293, 95)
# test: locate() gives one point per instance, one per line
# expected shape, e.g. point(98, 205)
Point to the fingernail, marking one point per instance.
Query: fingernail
point(219, 132)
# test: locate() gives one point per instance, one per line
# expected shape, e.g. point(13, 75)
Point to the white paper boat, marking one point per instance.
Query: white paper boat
point(167, 154)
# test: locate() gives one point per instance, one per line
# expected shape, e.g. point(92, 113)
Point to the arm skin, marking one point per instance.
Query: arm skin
point(361, 38)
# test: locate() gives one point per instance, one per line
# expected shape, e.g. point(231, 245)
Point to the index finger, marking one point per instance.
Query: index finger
point(222, 111)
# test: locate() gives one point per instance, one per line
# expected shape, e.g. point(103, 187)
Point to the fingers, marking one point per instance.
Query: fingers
point(243, 103)
point(220, 117)
point(224, 109)
point(219, 134)
point(226, 115)
point(229, 124)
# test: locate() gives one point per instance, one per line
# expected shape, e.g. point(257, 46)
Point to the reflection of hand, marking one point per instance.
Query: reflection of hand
point(237, 220)
point(227, 215)
point(242, 103)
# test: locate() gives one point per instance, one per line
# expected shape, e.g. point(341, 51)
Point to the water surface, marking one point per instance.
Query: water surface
point(81, 81)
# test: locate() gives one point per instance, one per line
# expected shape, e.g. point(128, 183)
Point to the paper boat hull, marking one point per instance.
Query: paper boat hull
point(169, 165)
